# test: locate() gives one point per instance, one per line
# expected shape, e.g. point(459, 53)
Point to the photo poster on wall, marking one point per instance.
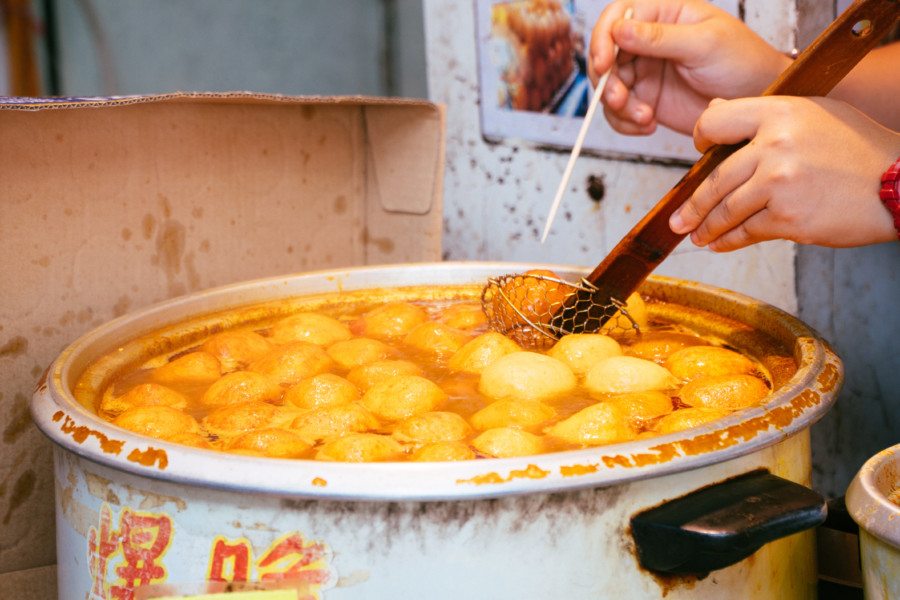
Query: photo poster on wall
point(533, 81)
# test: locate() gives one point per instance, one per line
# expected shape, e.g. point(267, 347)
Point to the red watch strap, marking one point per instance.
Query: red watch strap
point(890, 193)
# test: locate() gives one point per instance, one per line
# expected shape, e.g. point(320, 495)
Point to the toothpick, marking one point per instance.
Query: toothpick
point(579, 141)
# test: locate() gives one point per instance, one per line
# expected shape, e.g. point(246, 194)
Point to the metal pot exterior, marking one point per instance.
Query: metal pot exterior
point(132, 513)
point(572, 545)
point(879, 523)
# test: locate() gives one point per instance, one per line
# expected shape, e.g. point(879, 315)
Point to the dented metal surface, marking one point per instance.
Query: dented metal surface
point(366, 530)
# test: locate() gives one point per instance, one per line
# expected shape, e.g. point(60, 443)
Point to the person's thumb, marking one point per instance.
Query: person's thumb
point(657, 40)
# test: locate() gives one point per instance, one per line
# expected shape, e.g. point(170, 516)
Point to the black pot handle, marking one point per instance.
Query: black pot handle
point(722, 524)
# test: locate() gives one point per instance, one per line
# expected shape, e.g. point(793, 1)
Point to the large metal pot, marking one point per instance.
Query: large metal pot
point(133, 511)
point(868, 501)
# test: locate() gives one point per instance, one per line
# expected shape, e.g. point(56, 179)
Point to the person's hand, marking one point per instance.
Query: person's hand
point(810, 173)
point(675, 56)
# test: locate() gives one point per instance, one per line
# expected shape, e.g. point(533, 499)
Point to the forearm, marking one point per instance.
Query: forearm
point(874, 86)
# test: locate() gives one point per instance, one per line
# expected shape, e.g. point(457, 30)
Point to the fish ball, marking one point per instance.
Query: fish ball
point(272, 442)
point(194, 368)
point(293, 362)
point(145, 394)
point(526, 376)
point(535, 296)
point(332, 421)
point(326, 389)
point(464, 316)
point(512, 413)
point(642, 406)
point(701, 361)
point(506, 442)
point(636, 309)
point(366, 376)
point(245, 416)
point(727, 392)
point(241, 386)
point(236, 349)
point(310, 327)
point(392, 321)
point(161, 422)
point(482, 351)
point(443, 452)
point(435, 339)
point(658, 346)
point(361, 447)
point(581, 351)
point(432, 427)
point(620, 374)
point(403, 396)
point(358, 351)
point(601, 423)
point(687, 418)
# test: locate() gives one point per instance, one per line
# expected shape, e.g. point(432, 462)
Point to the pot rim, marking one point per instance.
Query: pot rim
point(799, 403)
point(867, 502)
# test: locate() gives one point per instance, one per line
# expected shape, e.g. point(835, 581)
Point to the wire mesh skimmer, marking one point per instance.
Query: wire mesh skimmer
point(537, 307)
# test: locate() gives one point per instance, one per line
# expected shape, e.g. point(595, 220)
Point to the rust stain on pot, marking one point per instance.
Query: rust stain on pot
point(153, 501)
point(576, 470)
point(79, 516)
point(828, 378)
point(617, 460)
point(99, 487)
point(530, 472)
point(42, 384)
point(669, 583)
point(481, 479)
point(666, 582)
point(778, 417)
point(319, 482)
point(150, 457)
point(659, 454)
point(663, 453)
point(80, 433)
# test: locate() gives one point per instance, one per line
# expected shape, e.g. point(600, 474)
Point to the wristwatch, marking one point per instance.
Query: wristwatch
point(890, 193)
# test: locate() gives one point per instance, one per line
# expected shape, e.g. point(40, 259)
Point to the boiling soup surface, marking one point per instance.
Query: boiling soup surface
point(426, 380)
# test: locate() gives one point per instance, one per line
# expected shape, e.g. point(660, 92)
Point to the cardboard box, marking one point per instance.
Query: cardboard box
point(107, 205)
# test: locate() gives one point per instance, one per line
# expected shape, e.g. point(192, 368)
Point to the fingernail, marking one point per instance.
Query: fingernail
point(676, 223)
point(695, 238)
